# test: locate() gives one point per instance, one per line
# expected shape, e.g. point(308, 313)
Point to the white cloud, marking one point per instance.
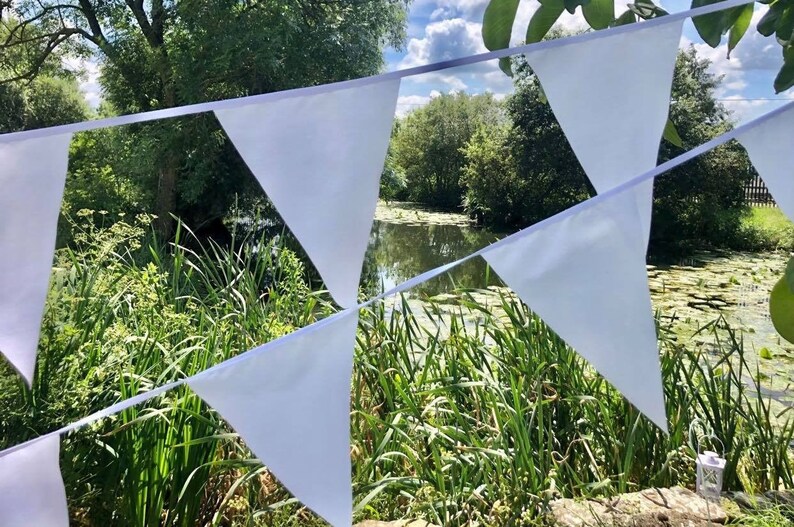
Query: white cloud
point(87, 72)
point(444, 40)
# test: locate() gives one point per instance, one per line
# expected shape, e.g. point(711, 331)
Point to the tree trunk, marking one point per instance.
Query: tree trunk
point(166, 198)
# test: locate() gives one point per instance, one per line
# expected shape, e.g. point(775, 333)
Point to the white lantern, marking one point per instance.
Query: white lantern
point(710, 467)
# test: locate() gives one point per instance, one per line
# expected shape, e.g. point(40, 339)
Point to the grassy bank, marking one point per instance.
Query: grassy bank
point(481, 426)
point(766, 228)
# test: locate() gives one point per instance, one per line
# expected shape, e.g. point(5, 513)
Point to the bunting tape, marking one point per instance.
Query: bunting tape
point(424, 277)
point(363, 81)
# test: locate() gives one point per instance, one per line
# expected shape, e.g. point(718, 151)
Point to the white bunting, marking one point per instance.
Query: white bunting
point(32, 178)
point(585, 276)
point(31, 487)
point(611, 97)
point(290, 402)
point(769, 146)
point(319, 158)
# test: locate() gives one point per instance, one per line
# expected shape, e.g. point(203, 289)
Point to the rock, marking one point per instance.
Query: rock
point(398, 523)
point(676, 507)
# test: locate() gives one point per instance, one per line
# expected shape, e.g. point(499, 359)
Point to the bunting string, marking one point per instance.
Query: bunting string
point(227, 104)
point(419, 279)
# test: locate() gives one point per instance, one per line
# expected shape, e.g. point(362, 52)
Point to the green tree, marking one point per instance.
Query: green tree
point(167, 53)
point(428, 145)
point(522, 174)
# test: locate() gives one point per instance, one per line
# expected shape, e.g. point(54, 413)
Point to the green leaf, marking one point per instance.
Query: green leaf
point(542, 20)
point(646, 9)
point(766, 26)
point(628, 17)
point(785, 25)
point(571, 5)
point(497, 23)
point(785, 77)
point(764, 353)
point(671, 134)
point(781, 309)
point(710, 27)
point(789, 274)
point(506, 65)
point(599, 13)
point(739, 27)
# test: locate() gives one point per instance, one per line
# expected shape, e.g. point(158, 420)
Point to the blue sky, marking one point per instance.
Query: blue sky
point(445, 29)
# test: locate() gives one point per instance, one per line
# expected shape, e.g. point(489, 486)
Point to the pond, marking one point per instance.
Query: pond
point(407, 240)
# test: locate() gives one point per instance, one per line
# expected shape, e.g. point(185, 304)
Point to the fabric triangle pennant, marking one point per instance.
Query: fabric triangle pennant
point(319, 158)
point(611, 97)
point(32, 176)
point(585, 276)
point(31, 487)
point(769, 148)
point(290, 402)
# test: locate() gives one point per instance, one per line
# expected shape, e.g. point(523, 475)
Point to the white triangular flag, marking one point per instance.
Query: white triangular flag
point(770, 149)
point(32, 178)
point(611, 96)
point(31, 487)
point(319, 158)
point(290, 402)
point(585, 276)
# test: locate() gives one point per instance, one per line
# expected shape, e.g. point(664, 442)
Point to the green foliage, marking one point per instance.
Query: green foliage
point(163, 54)
point(126, 315)
point(427, 145)
point(599, 14)
point(522, 174)
point(765, 229)
point(484, 422)
point(47, 101)
point(702, 201)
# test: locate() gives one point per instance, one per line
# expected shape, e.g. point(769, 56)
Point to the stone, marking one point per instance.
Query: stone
point(398, 523)
point(675, 507)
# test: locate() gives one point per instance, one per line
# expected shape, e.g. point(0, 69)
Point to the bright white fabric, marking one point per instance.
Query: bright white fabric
point(769, 146)
point(319, 158)
point(31, 487)
point(32, 178)
point(611, 97)
point(290, 402)
point(585, 276)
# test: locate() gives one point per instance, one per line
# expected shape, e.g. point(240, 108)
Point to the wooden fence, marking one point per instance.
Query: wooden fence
point(756, 193)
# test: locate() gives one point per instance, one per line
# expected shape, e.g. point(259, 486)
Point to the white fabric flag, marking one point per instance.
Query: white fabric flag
point(611, 97)
point(319, 158)
point(31, 487)
point(585, 277)
point(769, 146)
point(32, 178)
point(290, 402)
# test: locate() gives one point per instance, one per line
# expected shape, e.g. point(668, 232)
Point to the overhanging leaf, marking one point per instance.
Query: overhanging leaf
point(781, 309)
point(785, 77)
point(497, 23)
point(542, 20)
point(646, 9)
point(739, 27)
point(599, 13)
point(710, 27)
point(506, 65)
point(789, 274)
point(628, 17)
point(671, 134)
point(766, 26)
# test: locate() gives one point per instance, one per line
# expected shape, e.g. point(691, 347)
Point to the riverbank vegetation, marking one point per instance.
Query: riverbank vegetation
point(481, 418)
point(517, 167)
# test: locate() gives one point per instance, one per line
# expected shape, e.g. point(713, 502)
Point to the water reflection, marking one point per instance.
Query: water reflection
point(398, 252)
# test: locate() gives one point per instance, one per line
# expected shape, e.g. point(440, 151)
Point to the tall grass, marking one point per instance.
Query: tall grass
point(465, 420)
